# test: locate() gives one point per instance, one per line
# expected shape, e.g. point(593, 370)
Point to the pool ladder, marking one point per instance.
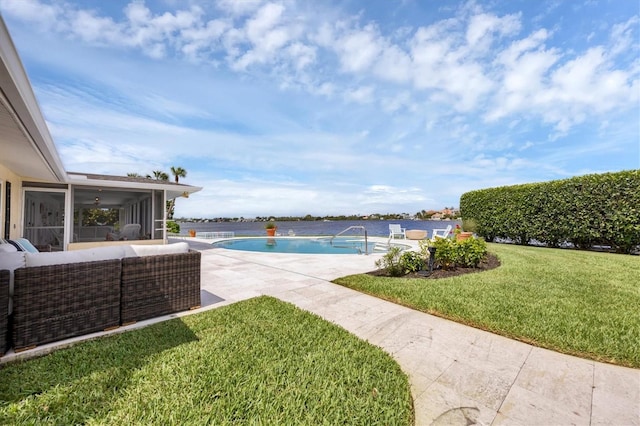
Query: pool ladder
point(366, 243)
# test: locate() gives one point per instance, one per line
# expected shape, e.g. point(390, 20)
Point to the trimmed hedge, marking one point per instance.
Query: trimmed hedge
point(598, 209)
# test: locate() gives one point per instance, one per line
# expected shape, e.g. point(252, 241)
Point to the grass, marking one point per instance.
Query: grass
point(577, 302)
point(260, 361)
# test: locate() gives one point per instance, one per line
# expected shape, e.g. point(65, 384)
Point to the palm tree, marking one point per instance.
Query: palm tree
point(160, 175)
point(178, 172)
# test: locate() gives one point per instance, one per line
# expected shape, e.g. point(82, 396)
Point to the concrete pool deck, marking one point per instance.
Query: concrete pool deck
point(458, 374)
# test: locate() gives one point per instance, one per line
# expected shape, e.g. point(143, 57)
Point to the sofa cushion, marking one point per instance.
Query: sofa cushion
point(152, 250)
point(7, 248)
point(22, 244)
point(74, 256)
point(11, 262)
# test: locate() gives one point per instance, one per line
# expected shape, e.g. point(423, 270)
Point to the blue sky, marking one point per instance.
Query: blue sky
point(335, 107)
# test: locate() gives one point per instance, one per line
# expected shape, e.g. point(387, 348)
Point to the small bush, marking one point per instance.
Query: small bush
point(464, 254)
point(446, 253)
point(411, 261)
point(450, 254)
point(390, 262)
point(173, 227)
point(470, 252)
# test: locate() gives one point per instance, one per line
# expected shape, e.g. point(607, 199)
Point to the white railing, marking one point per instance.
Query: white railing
point(214, 235)
point(366, 242)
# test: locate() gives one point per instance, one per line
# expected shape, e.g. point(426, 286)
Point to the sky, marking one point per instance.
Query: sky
point(335, 107)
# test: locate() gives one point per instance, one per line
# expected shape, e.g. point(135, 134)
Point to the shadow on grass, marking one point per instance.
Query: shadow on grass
point(260, 361)
point(92, 373)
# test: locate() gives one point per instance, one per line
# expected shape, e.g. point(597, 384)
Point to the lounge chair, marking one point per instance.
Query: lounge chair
point(441, 233)
point(130, 231)
point(395, 229)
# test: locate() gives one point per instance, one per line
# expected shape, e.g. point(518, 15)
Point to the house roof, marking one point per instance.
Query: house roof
point(26, 145)
point(173, 189)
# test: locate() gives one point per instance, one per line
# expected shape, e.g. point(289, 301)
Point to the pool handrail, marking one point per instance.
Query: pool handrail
point(366, 243)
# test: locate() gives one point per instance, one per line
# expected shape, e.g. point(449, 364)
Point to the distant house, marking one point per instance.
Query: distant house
point(41, 201)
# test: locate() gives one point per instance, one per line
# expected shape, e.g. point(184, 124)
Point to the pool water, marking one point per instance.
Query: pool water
point(299, 245)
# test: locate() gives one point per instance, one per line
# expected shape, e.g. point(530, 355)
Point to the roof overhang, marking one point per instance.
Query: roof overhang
point(26, 145)
point(174, 190)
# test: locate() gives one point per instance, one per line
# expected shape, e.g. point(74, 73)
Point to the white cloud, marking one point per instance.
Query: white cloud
point(622, 37)
point(46, 16)
point(358, 49)
point(239, 8)
point(361, 95)
point(484, 25)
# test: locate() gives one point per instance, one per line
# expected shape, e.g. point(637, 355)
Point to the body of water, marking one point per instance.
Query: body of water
point(375, 228)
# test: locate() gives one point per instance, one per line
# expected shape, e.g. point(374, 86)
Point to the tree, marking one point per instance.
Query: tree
point(159, 175)
point(178, 172)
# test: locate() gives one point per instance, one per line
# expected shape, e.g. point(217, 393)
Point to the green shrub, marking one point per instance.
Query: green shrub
point(390, 262)
point(598, 209)
point(173, 227)
point(449, 255)
point(464, 254)
point(411, 261)
point(469, 225)
point(470, 252)
point(446, 253)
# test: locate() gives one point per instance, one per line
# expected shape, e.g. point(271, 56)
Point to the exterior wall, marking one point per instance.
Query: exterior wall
point(7, 175)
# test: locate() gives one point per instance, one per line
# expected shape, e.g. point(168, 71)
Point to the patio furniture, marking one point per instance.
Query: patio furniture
point(155, 285)
point(416, 234)
point(395, 229)
point(4, 311)
point(130, 231)
point(55, 302)
point(441, 233)
point(59, 295)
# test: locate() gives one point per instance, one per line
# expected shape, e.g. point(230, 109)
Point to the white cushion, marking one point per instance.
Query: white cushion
point(25, 245)
point(12, 261)
point(7, 248)
point(74, 256)
point(151, 250)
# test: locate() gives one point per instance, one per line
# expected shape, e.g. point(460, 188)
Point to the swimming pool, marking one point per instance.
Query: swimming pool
point(301, 245)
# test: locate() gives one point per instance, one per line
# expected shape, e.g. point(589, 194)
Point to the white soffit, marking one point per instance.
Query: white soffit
point(26, 147)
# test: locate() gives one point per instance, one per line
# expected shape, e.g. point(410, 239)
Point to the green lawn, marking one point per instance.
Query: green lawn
point(577, 302)
point(261, 361)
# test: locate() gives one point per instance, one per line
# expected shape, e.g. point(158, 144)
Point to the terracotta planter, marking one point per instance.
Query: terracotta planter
point(192, 232)
point(463, 236)
point(271, 232)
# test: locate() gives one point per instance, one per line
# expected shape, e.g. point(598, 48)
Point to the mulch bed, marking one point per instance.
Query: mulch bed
point(490, 262)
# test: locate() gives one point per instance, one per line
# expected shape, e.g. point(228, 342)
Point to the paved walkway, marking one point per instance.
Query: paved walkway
point(458, 375)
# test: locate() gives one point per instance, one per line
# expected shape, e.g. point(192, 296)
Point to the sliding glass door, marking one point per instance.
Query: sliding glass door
point(44, 217)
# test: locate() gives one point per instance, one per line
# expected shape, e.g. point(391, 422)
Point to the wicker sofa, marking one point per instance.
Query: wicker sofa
point(4, 311)
point(65, 294)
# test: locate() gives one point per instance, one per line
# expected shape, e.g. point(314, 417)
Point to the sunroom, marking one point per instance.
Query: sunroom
point(103, 210)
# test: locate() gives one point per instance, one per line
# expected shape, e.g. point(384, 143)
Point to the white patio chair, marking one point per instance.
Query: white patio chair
point(395, 229)
point(130, 231)
point(441, 233)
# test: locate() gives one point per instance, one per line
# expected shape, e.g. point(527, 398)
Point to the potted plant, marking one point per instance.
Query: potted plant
point(459, 234)
point(468, 228)
point(271, 228)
